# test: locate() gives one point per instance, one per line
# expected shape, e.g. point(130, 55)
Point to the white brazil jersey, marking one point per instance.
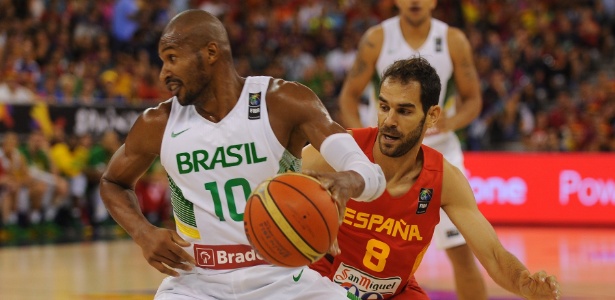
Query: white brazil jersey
point(213, 167)
point(435, 49)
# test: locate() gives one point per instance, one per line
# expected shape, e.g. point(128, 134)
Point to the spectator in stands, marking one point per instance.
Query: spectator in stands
point(99, 156)
point(512, 123)
point(215, 7)
point(25, 63)
point(18, 183)
point(296, 61)
point(11, 91)
point(124, 23)
point(70, 156)
point(13, 170)
point(316, 75)
point(42, 168)
point(340, 59)
point(67, 86)
point(563, 107)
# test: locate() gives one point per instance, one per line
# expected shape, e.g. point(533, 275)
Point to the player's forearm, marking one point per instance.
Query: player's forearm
point(506, 271)
point(123, 205)
point(349, 111)
point(466, 113)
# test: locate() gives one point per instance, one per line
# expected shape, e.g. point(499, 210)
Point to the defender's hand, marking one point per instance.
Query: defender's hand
point(539, 286)
point(162, 248)
point(335, 248)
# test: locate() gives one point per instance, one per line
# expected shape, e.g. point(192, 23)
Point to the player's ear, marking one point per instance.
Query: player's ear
point(433, 114)
point(211, 52)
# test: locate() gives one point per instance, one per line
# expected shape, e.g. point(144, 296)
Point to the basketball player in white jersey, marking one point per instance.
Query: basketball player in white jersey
point(218, 137)
point(413, 32)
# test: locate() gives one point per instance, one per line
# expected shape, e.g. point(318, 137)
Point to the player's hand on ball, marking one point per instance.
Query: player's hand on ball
point(162, 248)
point(539, 286)
point(341, 185)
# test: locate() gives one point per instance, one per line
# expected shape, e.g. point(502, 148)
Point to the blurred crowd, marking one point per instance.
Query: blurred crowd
point(546, 69)
point(49, 190)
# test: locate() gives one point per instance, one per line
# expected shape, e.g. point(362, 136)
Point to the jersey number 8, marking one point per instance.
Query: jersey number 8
point(376, 255)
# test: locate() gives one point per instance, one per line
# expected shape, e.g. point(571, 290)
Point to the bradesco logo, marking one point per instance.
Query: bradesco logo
point(588, 191)
point(226, 256)
point(498, 190)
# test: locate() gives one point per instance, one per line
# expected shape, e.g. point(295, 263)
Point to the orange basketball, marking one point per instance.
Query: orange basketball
point(290, 220)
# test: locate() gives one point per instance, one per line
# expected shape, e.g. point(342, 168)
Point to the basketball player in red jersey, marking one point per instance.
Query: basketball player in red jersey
point(382, 242)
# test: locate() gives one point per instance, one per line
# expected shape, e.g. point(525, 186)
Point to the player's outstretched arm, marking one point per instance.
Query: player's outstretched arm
point(159, 246)
point(359, 76)
point(506, 270)
point(296, 110)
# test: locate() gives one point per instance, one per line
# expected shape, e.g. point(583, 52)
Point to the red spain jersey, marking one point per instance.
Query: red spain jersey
point(383, 241)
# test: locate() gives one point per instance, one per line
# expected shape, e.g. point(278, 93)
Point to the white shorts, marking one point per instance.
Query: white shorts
point(257, 282)
point(446, 235)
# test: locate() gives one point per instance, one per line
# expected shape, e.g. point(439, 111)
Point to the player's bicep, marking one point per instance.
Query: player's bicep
point(138, 152)
point(298, 116)
point(465, 74)
point(314, 121)
point(125, 167)
point(364, 64)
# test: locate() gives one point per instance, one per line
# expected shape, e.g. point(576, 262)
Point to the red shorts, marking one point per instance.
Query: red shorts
point(412, 291)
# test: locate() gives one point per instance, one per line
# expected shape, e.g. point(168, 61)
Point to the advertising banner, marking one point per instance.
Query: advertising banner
point(544, 189)
point(79, 120)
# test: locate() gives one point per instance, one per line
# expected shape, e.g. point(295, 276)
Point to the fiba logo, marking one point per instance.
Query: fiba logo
point(424, 197)
point(425, 194)
point(254, 107)
point(255, 99)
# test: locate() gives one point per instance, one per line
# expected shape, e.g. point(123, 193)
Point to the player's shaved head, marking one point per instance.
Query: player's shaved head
point(196, 28)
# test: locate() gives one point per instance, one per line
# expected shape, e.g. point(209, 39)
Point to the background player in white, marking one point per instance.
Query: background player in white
point(415, 32)
point(218, 138)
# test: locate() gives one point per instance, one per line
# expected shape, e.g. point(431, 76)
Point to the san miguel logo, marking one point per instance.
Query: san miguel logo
point(424, 198)
point(254, 106)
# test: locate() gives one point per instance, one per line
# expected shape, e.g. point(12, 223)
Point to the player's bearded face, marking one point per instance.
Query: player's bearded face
point(405, 141)
point(191, 93)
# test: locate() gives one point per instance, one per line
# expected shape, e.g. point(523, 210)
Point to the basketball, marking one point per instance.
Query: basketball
point(290, 220)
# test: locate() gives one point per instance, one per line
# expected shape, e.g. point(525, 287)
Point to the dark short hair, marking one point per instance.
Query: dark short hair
point(416, 69)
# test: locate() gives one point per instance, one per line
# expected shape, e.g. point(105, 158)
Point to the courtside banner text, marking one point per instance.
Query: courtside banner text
point(555, 188)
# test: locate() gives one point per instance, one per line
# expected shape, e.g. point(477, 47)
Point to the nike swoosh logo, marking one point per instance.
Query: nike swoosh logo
point(173, 134)
point(296, 278)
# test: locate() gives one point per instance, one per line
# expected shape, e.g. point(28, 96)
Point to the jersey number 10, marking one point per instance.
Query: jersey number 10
point(230, 197)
